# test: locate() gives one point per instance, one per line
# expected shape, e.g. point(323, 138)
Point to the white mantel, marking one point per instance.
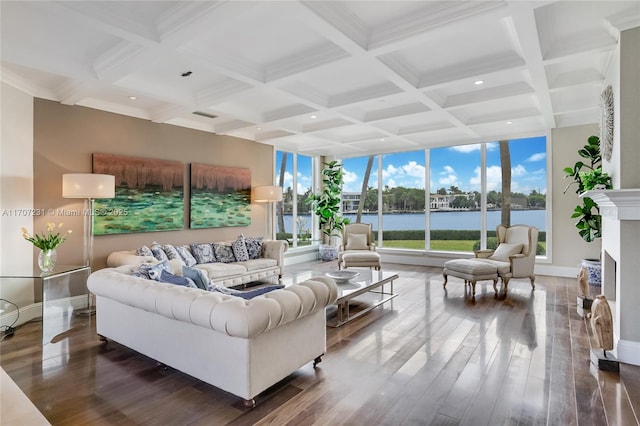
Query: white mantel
point(620, 204)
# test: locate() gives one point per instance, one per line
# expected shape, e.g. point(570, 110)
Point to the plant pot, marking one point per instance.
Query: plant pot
point(594, 268)
point(328, 252)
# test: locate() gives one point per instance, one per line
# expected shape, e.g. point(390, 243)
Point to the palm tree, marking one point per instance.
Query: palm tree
point(505, 161)
point(365, 185)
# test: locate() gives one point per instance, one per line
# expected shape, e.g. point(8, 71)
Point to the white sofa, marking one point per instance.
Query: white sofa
point(240, 346)
point(269, 266)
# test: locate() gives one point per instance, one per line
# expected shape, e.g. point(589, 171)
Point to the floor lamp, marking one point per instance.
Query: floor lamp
point(268, 194)
point(88, 186)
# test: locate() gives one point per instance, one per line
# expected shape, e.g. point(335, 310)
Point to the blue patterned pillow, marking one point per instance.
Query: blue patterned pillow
point(203, 252)
point(254, 247)
point(171, 252)
point(186, 256)
point(169, 278)
point(240, 249)
point(158, 253)
point(224, 253)
point(198, 276)
point(151, 271)
point(144, 251)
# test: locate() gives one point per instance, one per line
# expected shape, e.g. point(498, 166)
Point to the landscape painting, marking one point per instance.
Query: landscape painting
point(149, 195)
point(220, 196)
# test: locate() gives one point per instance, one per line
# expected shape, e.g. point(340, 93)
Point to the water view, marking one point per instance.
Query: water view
point(440, 220)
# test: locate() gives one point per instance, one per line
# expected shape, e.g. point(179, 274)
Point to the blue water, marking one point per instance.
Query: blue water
point(443, 220)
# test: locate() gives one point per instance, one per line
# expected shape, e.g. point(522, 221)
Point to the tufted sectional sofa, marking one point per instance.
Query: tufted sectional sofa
point(270, 264)
point(240, 346)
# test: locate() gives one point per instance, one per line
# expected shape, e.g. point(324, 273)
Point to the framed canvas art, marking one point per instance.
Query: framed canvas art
point(149, 195)
point(220, 196)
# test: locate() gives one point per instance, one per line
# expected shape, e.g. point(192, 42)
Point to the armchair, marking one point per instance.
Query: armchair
point(357, 247)
point(515, 256)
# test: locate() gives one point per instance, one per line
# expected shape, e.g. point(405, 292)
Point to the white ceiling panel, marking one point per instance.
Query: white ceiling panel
point(323, 77)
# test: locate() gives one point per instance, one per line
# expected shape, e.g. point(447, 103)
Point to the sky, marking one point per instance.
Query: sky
point(451, 166)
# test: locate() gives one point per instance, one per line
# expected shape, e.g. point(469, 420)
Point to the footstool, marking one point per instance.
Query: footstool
point(471, 270)
point(370, 259)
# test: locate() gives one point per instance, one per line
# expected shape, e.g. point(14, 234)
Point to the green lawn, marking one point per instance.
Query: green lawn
point(438, 245)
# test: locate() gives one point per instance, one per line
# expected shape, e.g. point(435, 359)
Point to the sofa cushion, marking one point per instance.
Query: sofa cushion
point(357, 242)
point(219, 270)
point(151, 271)
point(186, 256)
point(203, 252)
point(144, 251)
point(158, 253)
point(240, 249)
point(198, 276)
point(505, 250)
point(255, 264)
point(254, 246)
point(223, 253)
point(171, 252)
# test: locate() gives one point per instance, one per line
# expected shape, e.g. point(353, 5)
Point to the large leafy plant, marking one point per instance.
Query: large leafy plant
point(586, 176)
point(326, 204)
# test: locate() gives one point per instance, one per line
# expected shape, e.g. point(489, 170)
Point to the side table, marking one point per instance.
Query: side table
point(55, 294)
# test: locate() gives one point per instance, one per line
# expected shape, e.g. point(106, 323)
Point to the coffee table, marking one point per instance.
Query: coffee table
point(367, 283)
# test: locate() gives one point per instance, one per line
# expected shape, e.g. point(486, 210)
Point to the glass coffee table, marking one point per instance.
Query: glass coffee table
point(368, 287)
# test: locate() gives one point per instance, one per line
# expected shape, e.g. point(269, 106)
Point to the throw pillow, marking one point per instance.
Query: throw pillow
point(505, 250)
point(168, 277)
point(224, 253)
point(203, 252)
point(240, 249)
point(171, 252)
point(198, 276)
point(151, 271)
point(158, 253)
point(254, 247)
point(186, 256)
point(245, 294)
point(144, 251)
point(356, 242)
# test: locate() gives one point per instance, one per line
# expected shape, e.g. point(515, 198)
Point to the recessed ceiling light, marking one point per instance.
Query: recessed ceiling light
point(133, 98)
point(478, 82)
point(259, 128)
point(313, 116)
point(381, 139)
point(509, 122)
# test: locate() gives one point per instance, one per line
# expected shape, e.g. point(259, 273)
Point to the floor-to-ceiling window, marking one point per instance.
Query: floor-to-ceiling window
point(403, 200)
point(454, 198)
point(284, 209)
point(361, 173)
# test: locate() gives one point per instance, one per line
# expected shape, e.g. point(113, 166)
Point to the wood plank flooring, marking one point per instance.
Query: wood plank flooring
point(429, 357)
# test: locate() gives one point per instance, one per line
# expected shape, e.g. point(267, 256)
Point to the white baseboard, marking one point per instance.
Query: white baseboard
point(628, 352)
point(34, 310)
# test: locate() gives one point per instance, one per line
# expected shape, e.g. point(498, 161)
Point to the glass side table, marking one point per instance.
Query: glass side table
point(54, 295)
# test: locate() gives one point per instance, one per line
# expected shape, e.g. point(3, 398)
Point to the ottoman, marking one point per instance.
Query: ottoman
point(471, 270)
point(370, 259)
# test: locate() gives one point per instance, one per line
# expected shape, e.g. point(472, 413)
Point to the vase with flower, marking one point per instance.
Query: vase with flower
point(47, 243)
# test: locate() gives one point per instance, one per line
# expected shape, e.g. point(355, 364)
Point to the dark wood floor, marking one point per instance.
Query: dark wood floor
point(429, 357)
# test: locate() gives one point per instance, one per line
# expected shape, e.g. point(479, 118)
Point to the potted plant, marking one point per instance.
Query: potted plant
point(326, 205)
point(586, 176)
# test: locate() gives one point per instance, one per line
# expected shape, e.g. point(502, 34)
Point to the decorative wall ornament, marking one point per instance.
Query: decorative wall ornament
point(220, 196)
point(149, 195)
point(606, 122)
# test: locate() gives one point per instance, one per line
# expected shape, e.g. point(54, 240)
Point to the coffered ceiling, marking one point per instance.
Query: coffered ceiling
point(343, 78)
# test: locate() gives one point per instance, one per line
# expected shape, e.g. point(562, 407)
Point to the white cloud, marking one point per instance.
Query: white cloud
point(390, 183)
point(414, 169)
point(465, 149)
point(518, 170)
point(494, 178)
point(447, 170)
point(537, 157)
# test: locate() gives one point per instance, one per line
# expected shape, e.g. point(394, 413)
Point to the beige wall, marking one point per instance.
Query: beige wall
point(66, 136)
point(568, 247)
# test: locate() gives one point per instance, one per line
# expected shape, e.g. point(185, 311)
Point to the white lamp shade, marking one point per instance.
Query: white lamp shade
point(88, 185)
point(265, 194)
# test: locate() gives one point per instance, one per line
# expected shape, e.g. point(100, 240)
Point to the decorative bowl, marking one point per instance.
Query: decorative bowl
point(342, 276)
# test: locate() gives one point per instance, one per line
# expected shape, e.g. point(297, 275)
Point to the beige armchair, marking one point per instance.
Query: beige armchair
point(358, 248)
point(515, 256)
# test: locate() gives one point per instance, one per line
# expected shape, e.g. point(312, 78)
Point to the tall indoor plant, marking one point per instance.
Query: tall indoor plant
point(587, 176)
point(326, 205)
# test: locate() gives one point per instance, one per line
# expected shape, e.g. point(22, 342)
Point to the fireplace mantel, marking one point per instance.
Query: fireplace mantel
point(620, 204)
